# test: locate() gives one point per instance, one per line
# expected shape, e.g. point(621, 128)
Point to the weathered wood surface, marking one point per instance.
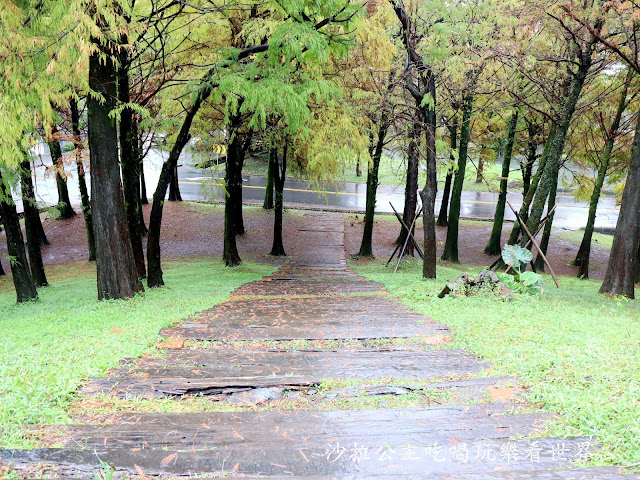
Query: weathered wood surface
point(221, 371)
point(467, 442)
point(306, 318)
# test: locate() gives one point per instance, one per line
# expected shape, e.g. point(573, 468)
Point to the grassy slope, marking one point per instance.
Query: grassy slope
point(578, 352)
point(48, 347)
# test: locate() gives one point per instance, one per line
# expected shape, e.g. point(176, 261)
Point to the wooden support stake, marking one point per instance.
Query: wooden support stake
point(406, 240)
point(535, 244)
point(409, 232)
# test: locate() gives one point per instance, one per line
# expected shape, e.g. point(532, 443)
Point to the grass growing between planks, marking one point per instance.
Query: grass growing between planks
point(576, 351)
point(48, 347)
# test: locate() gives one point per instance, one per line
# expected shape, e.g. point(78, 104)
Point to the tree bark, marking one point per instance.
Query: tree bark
point(64, 204)
point(31, 220)
point(451, 244)
point(84, 195)
point(117, 273)
point(22, 279)
point(480, 171)
point(235, 162)
point(584, 252)
point(174, 186)
point(366, 246)
point(358, 168)
point(621, 270)
point(526, 201)
point(268, 193)
point(144, 199)
point(532, 155)
point(444, 205)
point(494, 246)
point(129, 163)
point(141, 188)
point(557, 146)
point(411, 187)
point(280, 170)
point(539, 263)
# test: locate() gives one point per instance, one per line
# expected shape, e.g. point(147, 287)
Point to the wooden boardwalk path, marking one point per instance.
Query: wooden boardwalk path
point(315, 296)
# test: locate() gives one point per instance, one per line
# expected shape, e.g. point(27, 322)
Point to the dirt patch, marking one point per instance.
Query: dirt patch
point(473, 238)
point(188, 230)
point(196, 230)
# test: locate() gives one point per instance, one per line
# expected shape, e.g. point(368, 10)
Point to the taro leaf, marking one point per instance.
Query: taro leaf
point(530, 278)
point(515, 255)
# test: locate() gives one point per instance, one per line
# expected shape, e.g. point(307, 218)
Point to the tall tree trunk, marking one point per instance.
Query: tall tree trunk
point(144, 200)
point(64, 204)
point(532, 155)
point(366, 246)
point(154, 265)
point(280, 170)
point(430, 190)
point(174, 186)
point(233, 172)
point(523, 213)
point(494, 246)
point(129, 162)
point(480, 171)
point(444, 205)
point(22, 279)
point(451, 244)
point(82, 182)
point(557, 146)
point(31, 220)
point(139, 177)
point(268, 193)
point(358, 168)
point(621, 270)
point(546, 233)
point(411, 187)
point(117, 273)
point(584, 252)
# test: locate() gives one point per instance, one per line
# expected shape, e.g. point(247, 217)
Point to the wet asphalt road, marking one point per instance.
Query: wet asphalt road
point(343, 196)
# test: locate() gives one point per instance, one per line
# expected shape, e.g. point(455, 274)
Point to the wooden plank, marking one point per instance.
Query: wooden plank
point(216, 372)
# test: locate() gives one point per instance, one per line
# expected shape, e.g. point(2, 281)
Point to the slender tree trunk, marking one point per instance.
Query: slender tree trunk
point(411, 187)
point(584, 252)
point(22, 279)
point(621, 270)
point(494, 246)
point(2, 272)
point(451, 244)
point(546, 233)
point(154, 265)
point(532, 155)
point(366, 246)
point(358, 168)
point(174, 186)
point(64, 204)
point(526, 202)
point(144, 199)
point(430, 190)
point(31, 220)
point(129, 163)
point(444, 205)
point(233, 172)
point(84, 194)
point(280, 170)
point(139, 178)
point(268, 193)
point(557, 146)
point(117, 273)
point(480, 171)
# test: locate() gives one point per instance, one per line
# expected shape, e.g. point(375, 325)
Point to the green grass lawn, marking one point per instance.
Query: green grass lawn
point(49, 346)
point(576, 351)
